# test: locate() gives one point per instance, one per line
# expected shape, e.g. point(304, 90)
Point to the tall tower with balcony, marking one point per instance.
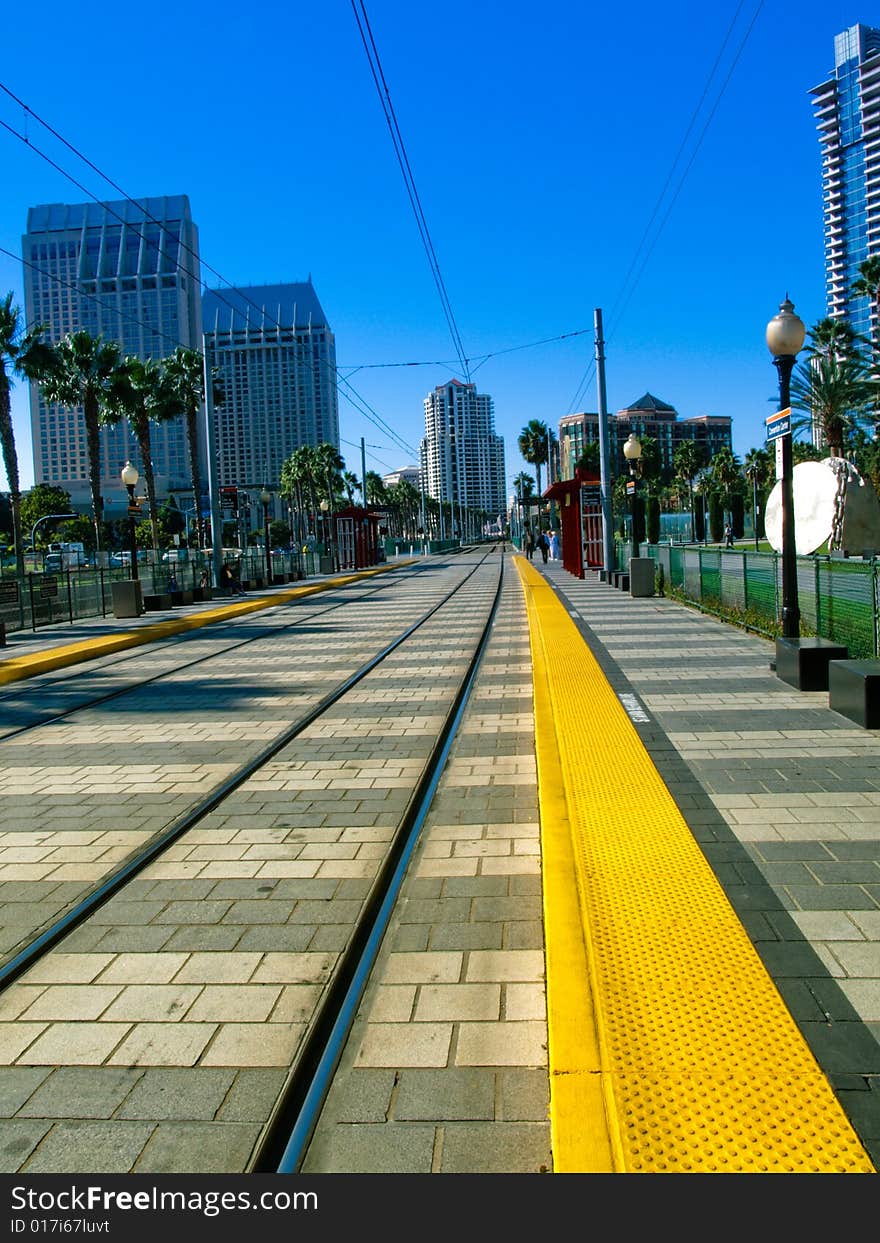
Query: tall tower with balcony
point(847, 110)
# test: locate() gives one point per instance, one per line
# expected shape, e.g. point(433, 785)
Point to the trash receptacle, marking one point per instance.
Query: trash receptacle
point(641, 576)
point(127, 598)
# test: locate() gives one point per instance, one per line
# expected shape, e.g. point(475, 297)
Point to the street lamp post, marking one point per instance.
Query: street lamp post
point(266, 497)
point(785, 336)
point(632, 451)
point(129, 477)
point(752, 473)
point(325, 505)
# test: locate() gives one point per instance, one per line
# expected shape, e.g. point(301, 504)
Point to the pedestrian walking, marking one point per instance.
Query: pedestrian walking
point(728, 536)
point(528, 543)
point(543, 546)
point(554, 546)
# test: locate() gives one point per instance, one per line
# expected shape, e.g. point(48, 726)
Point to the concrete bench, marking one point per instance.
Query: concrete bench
point(161, 600)
point(201, 594)
point(620, 579)
point(181, 597)
point(854, 691)
point(803, 663)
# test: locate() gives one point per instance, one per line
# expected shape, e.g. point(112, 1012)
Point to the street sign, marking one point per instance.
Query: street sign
point(630, 487)
point(779, 424)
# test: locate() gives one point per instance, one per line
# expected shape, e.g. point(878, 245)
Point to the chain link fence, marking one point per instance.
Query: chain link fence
point(838, 596)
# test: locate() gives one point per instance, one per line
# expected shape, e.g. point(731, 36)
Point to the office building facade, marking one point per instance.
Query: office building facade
point(462, 457)
point(275, 357)
point(649, 416)
point(128, 272)
point(847, 111)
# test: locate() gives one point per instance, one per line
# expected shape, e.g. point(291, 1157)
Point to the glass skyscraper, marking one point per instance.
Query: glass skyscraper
point(276, 361)
point(847, 109)
point(129, 272)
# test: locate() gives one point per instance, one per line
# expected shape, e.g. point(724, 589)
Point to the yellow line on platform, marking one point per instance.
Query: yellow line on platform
point(671, 1049)
point(16, 668)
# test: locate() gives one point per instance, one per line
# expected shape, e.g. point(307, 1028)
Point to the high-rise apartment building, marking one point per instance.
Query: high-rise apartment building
point(847, 109)
point(462, 457)
point(128, 272)
point(276, 360)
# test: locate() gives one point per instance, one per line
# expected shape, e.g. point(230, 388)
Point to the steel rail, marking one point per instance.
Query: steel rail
point(289, 1130)
point(170, 641)
point(96, 897)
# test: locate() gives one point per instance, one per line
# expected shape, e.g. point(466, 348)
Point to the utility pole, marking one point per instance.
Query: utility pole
point(606, 474)
point(364, 471)
point(213, 472)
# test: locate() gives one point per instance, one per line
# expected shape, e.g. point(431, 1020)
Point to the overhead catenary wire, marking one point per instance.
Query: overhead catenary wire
point(368, 413)
point(692, 159)
point(381, 85)
point(624, 296)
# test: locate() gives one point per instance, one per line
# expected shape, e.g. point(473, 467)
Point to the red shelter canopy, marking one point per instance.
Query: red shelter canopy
point(580, 516)
point(357, 537)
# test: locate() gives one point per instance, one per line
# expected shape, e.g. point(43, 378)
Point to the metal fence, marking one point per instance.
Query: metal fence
point(838, 597)
point(46, 599)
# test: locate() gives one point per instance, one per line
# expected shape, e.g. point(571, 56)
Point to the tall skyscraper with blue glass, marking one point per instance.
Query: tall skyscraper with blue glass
point(129, 272)
point(847, 110)
point(275, 357)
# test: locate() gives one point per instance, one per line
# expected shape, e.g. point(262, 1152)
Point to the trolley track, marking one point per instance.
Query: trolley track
point(296, 981)
point(152, 823)
point(17, 698)
point(90, 902)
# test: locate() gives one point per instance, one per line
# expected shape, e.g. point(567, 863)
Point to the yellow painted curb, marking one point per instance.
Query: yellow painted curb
point(671, 1049)
point(16, 668)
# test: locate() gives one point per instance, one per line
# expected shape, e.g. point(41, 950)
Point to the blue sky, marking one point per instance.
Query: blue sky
point(541, 140)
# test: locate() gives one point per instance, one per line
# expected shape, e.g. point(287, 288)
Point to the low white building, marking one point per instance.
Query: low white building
point(409, 473)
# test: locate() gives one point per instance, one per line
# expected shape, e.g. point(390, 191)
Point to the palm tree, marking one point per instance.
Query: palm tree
point(833, 336)
point(525, 486)
point(867, 285)
point(185, 388)
point(81, 372)
point(377, 493)
point(298, 480)
point(687, 460)
point(407, 498)
point(350, 481)
point(532, 444)
point(589, 459)
point(726, 472)
point(24, 354)
point(756, 468)
point(837, 392)
point(139, 394)
point(330, 464)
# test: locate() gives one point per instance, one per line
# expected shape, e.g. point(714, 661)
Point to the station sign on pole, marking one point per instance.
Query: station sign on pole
point(779, 424)
point(778, 427)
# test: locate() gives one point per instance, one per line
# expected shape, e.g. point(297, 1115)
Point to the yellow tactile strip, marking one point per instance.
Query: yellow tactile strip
point(15, 668)
point(682, 1057)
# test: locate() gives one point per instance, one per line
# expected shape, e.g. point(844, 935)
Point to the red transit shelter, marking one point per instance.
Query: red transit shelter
point(580, 518)
point(357, 537)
